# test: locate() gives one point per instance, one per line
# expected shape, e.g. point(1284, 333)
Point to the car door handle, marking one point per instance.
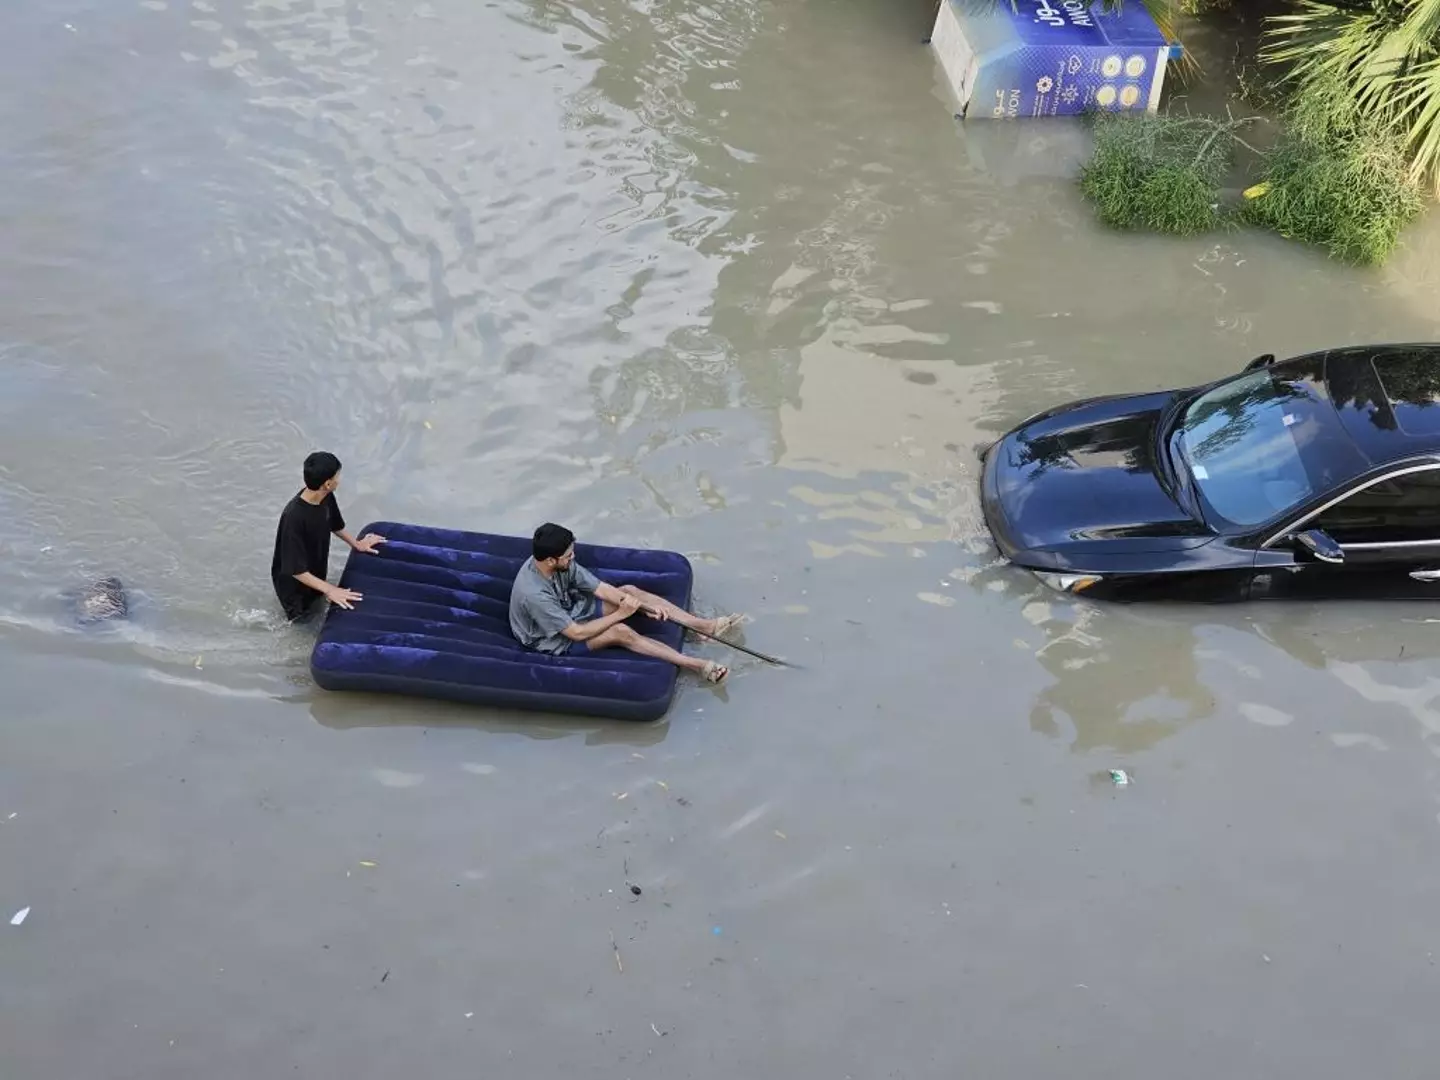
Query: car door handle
point(1425, 575)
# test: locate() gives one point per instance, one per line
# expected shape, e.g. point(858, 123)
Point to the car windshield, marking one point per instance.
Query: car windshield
point(1262, 444)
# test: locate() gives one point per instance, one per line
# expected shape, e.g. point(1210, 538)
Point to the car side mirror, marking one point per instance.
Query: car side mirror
point(1320, 544)
point(1260, 361)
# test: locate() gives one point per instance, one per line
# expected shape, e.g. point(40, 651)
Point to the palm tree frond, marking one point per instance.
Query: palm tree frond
point(1419, 29)
point(1376, 69)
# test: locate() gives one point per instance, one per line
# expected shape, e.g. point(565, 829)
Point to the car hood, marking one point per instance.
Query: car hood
point(1085, 477)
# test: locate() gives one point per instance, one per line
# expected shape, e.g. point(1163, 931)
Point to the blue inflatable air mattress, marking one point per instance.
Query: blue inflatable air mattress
point(434, 622)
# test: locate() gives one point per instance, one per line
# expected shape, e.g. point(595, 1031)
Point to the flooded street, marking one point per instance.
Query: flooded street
point(725, 278)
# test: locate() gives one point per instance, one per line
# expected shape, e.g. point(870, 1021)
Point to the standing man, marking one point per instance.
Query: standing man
point(302, 542)
point(558, 607)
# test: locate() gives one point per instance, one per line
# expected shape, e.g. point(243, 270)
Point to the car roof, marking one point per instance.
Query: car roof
point(1386, 396)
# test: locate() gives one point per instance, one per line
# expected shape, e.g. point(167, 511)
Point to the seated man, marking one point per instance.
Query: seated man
point(557, 606)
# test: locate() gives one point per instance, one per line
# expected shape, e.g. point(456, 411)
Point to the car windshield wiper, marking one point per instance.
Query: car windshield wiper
point(1168, 470)
point(1185, 482)
point(1169, 415)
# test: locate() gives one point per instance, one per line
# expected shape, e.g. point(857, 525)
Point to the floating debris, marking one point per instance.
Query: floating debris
point(1119, 777)
point(634, 888)
point(394, 778)
point(779, 834)
point(368, 863)
point(618, 965)
point(19, 916)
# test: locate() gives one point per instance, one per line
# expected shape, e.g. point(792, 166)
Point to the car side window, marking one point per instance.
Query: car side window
point(1405, 509)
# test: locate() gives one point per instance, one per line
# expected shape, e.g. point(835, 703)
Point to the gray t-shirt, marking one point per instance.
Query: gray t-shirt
point(541, 607)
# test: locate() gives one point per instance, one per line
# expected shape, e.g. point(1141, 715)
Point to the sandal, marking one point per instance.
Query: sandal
point(726, 623)
point(715, 673)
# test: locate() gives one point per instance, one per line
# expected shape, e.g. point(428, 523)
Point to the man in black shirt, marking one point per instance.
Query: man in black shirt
point(302, 541)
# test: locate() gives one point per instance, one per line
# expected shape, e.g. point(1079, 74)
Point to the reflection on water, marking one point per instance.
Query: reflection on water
point(860, 412)
point(650, 269)
point(1119, 678)
point(349, 712)
point(1123, 678)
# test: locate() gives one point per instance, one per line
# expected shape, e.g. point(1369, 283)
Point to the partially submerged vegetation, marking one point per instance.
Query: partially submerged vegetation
point(1333, 179)
point(1159, 172)
point(1359, 147)
point(1378, 60)
point(1337, 180)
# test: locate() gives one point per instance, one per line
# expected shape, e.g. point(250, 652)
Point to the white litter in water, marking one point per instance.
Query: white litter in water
point(19, 916)
point(1289, 419)
point(394, 778)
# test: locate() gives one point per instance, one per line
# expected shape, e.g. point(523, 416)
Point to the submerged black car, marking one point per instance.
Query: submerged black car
point(1314, 477)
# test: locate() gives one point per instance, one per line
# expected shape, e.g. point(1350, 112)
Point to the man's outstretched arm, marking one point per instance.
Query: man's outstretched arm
point(339, 597)
point(368, 543)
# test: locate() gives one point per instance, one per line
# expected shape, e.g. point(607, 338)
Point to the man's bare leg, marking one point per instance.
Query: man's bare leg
point(623, 637)
point(678, 614)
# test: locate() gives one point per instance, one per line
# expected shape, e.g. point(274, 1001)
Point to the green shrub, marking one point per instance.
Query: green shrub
point(1336, 181)
point(1158, 172)
point(1379, 59)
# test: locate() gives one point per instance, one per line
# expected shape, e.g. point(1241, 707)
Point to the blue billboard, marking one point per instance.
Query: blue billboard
point(1049, 57)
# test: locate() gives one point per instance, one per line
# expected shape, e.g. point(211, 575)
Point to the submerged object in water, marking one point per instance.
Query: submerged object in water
point(101, 600)
point(1050, 58)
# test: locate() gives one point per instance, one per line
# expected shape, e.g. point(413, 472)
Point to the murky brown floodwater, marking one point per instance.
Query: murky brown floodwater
point(723, 277)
